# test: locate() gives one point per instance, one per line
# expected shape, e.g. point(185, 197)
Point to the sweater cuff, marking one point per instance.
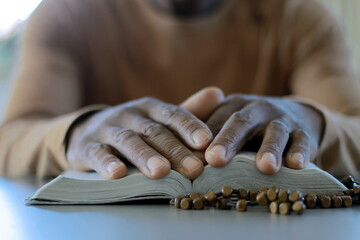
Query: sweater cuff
point(55, 141)
point(329, 137)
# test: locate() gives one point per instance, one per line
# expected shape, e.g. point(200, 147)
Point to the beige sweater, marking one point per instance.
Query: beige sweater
point(77, 53)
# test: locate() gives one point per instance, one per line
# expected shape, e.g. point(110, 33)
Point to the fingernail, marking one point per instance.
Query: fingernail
point(297, 159)
point(113, 166)
point(155, 163)
point(201, 137)
point(190, 164)
point(218, 151)
point(269, 159)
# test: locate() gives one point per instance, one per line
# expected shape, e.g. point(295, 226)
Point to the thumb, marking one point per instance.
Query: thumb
point(204, 102)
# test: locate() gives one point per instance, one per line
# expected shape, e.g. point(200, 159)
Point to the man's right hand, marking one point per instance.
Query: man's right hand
point(153, 135)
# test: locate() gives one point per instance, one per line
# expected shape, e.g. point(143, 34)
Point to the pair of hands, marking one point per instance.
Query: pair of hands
point(156, 136)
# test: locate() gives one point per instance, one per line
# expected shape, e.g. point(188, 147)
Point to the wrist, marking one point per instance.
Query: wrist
point(76, 124)
point(315, 120)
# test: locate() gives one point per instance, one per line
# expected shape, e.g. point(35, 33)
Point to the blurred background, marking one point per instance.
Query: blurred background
point(13, 13)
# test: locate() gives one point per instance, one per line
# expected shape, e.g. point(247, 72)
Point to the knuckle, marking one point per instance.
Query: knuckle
point(174, 151)
point(227, 138)
point(93, 149)
point(136, 151)
point(306, 141)
point(152, 130)
point(140, 153)
point(169, 111)
point(272, 147)
point(244, 118)
point(303, 135)
point(188, 126)
point(279, 125)
point(299, 145)
point(120, 135)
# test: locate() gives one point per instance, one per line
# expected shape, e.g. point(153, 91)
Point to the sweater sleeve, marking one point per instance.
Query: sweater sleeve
point(324, 78)
point(46, 97)
point(36, 146)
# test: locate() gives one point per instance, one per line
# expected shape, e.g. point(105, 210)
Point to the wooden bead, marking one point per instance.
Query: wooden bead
point(274, 206)
point(194, 195)
point(347, 201)
point(295, 196)
point(283, 195)
point(329, 195)
point(311, 195)
point(298, 207)
point(177, 201)
point(262, 199)
point(223, 203)
point(243, 193)
point(349, 192)
point(263, 189)
point(311, 201)
point(226, 191)
point(272, 194)
point(325, 201)
point(253, 194)
point(284, 208)
point(321, 195)
point(348, 181)
point(210, 197)
point(186, 203)
point(241, 205)
point(336, 201)
point(198, 203)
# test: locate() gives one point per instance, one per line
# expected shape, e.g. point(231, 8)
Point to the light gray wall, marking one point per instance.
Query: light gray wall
point(348, 12)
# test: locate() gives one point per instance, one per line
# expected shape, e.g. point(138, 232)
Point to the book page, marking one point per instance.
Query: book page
point(92, 175)
point(241, 172)
point(75, 187)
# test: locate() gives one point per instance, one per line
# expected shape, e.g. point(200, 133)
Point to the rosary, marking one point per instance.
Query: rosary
point(277, 200)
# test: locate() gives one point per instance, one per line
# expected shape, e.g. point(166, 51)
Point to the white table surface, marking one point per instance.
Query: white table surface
point(18, 221)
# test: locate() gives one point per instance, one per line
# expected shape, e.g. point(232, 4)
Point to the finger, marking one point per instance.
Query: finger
point(99, 157)
point(190, 129)
point(133, 147)
point(223, 113)
point(162, 140)
point(269, 156)
point(240, 128)
point(203, 103)
point(301, 151)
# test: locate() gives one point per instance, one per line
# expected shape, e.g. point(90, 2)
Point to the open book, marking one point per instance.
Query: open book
point(89, 188)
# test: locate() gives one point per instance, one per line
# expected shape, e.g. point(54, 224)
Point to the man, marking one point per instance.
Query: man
point(289, 55)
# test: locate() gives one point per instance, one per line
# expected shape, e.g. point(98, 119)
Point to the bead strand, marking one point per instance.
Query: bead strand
point(277, 200)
